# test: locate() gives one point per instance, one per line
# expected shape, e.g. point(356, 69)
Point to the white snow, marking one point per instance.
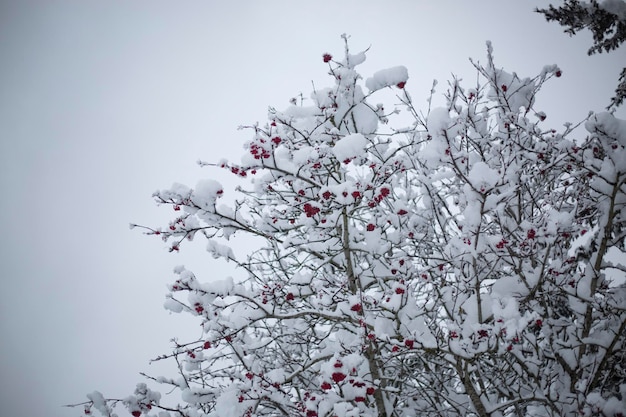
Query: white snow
point(173, 305)
point(387, 78)
point(481, 175)
point(609, 124)
point(206, 192)
point(354, 60)
point(438, 120)
point(219, 251)
point(99, 402)
point(350, 146)
point(365, 119)
point(304, 155)
point(219, 287)
point(520, 93)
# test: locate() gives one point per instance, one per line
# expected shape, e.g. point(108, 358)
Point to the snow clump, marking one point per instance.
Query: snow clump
point(387, 78)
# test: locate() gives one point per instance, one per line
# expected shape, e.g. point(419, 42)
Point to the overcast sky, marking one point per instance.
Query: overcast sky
point(104, 102)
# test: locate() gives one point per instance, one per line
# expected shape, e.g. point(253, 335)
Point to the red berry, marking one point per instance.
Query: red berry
point(531, 234)
point(370, 227)
point(395, 349)
point(370, 390)
point(207, 345)
point(402, 212)
point(290, 297)
point(359, 399)
point(310, 210)
point(558, 73)
point(401, 84)
point(356, 307)
point(399, 290)
point(136, 413)
point(504, 87)
point(326, 386)
point(338, 376)
point(327, 57)
point(409, 343)
point(338, 364)
point(249, 375)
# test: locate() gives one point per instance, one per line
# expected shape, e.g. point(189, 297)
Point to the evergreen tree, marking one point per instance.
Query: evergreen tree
point(607, 23)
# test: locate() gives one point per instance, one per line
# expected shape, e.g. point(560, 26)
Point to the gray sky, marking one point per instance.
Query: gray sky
point(103, 102)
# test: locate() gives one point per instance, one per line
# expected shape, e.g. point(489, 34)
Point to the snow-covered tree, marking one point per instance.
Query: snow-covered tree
point(468, 264)
point(606, 20)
